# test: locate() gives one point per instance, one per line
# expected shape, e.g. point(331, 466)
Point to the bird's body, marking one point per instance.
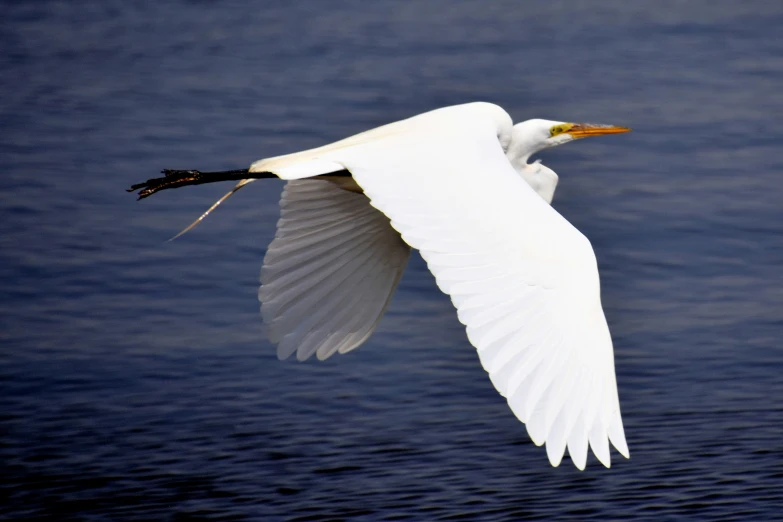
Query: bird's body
point(455, 184)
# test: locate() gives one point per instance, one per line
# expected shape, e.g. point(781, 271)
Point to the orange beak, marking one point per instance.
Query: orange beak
point(586, 130)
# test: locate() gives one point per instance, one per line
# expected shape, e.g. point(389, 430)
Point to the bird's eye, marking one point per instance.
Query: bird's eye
point(559, 129)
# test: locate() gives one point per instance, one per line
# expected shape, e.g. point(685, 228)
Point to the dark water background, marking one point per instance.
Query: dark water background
point(135, 383)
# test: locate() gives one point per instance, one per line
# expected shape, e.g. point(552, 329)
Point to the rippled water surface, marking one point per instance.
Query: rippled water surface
point(135, 382)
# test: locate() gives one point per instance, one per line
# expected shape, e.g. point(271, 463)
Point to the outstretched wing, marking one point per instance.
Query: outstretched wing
point(523, 279)
point(330, 272)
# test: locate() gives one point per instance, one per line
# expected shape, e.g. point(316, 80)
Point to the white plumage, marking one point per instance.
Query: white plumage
point(455, 184)
point(330, 272)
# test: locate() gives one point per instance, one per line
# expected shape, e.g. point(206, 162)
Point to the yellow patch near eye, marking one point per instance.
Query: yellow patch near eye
point(560, 129)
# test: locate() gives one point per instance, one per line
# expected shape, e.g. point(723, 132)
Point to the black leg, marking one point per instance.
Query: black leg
point(181, 178)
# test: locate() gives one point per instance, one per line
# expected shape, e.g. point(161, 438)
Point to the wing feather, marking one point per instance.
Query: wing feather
point(330, 272)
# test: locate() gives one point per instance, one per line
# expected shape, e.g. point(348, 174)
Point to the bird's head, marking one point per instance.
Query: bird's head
point(531, 136)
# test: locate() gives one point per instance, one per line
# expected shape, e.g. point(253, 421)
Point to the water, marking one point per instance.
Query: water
point(135, 383)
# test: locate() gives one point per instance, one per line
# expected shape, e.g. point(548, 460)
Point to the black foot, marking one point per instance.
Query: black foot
point(181, 178)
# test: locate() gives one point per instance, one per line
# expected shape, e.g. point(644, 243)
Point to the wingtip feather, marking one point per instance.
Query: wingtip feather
point(599, 443)
point(554, 455)
point(617, 436)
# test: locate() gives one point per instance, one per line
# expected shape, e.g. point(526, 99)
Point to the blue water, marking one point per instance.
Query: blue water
point(135, 382)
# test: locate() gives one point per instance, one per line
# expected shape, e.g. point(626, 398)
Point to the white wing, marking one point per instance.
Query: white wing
point(330, 272)
point(523, 279)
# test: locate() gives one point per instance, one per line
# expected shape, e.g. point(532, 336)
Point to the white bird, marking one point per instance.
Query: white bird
point(454, 183)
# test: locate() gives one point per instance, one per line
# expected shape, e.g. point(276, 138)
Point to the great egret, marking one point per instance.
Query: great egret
point(455, 183)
